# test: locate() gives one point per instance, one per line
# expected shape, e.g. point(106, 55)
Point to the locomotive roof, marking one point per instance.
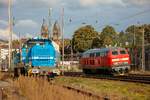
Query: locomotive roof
point(99, 50)
point(38, 40)
point(32, 42)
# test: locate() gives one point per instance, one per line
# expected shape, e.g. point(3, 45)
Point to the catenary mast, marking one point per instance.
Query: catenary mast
point(10, 32)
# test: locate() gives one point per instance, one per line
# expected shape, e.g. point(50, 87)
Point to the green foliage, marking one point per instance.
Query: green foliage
point(109, 36)
point(67, 46)
point(83, 37)
point(67, 43)
point(97, 42)
point(147, 34)
point(86, 37)
point(15, 44)
point(134, 36)
point(122, 37)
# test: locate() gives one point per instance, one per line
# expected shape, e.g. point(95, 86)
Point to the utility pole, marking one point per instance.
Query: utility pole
point(20, 44)
point(10, 32)
point(134, 48)
point(62, 18)
point(50, 23)
point(143, 50)
point(71, 45)
point(71, 51)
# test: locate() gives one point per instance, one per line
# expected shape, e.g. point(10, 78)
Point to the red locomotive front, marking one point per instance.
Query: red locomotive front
point(114, 60)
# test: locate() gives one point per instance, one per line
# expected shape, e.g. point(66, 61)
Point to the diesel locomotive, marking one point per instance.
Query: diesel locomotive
point(105, 60)
point(38, 56)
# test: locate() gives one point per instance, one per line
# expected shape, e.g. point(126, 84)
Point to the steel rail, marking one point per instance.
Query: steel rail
point(127, 78)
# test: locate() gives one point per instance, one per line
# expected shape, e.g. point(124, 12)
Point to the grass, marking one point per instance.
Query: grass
point(4, 76)
point(40, 89)
point(29, 88)
point(7, 90)
point(113, 89)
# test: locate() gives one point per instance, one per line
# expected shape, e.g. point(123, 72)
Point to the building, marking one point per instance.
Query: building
point(44, 30)
point(4, 55)
point(3, 49)
point(56, 31)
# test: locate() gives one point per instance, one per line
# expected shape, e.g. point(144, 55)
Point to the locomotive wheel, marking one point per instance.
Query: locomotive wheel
point(87, 71)
point(126, 70)
point(19, 71)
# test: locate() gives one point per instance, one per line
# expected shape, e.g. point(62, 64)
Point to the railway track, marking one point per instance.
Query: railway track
point(128, 78)
point(87, 93)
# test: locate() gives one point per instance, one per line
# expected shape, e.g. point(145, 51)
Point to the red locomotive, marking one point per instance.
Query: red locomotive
point(104, 60)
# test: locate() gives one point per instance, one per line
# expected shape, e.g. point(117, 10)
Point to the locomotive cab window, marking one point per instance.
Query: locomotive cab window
point(114, 52)
point(85, 55)
point(92, 54)
point(105, 53)
point(123, 52)
point(97, 54)
point(102, 54)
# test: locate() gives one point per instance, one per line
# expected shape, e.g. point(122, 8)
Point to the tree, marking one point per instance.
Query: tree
point(67, 45)
point(122, 39)
point(15, 44)
point(109, 36)
point(97, 42)
point(134, 36)
point(83, 37)
point(147, 33)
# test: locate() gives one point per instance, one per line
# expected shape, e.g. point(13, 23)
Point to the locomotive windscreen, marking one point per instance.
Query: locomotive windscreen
point(31, 42)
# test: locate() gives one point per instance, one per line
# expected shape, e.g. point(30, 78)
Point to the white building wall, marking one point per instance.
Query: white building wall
point(3, 53)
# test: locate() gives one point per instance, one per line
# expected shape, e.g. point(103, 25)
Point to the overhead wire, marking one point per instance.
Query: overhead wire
point(71, 19)
point(127, 18)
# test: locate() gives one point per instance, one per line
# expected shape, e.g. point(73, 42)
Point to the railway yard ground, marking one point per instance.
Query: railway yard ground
point(140, 72)
point(33, 88)
point(112, 89)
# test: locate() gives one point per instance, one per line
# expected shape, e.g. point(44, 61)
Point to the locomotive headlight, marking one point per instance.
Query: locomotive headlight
point(124, 59)
point(116, 59)
point(125, 62)
point(115, 63)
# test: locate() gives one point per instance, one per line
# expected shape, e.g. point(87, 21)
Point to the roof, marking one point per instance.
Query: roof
point(99, 50)
point(3, 46)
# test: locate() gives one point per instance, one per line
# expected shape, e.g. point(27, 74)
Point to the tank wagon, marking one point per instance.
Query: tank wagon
point(38, 56)
point(105, 60)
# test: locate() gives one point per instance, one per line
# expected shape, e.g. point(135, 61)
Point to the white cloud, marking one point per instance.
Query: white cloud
point(28, 35)
point(4, 3)
point(27, 23)
point(3, 22)
point(100, 2)
point(4, 34)
point(88, 2)
point(137, 2)
point(114, 2)
point(39, 3)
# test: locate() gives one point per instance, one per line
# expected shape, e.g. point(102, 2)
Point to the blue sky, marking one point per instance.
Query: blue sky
point(29, 14)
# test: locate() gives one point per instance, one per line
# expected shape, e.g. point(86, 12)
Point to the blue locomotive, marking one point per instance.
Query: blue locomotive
point(39, 53)
point(38, 56)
